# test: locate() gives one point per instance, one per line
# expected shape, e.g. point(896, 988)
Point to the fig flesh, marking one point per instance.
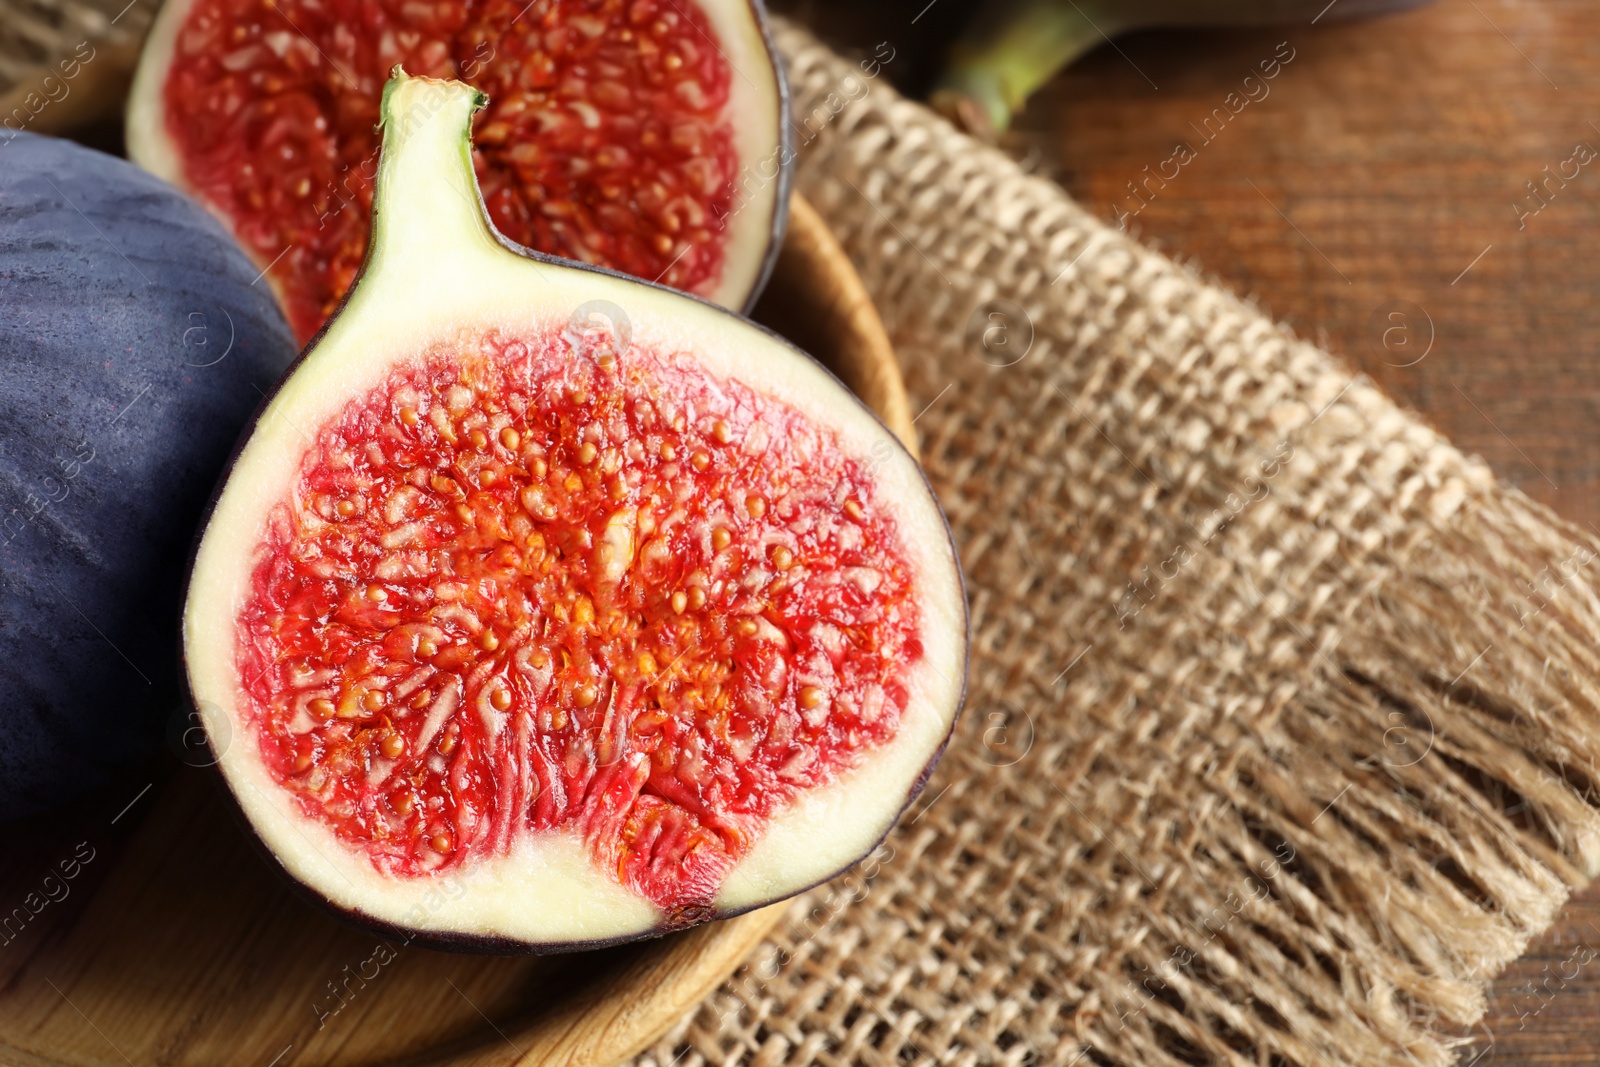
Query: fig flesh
point(647, 136)
point(586, 596)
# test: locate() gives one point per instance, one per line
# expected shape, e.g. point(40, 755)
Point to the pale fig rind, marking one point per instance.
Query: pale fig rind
point(436, 271)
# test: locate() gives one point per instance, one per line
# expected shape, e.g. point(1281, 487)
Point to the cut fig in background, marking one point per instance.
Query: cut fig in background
point(588, 600)
point(647, 136)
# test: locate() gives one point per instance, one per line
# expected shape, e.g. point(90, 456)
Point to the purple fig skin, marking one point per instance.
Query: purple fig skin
point(134, 346)
point(786, 157)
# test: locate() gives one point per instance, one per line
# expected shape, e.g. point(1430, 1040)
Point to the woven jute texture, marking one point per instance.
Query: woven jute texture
point(1282, 729)
point(1283, 725)
point(36, 34)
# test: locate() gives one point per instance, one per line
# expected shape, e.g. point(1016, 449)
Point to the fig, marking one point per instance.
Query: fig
point(648, 136)
point(589, 601)
point(1012, 48)
point(133, 349)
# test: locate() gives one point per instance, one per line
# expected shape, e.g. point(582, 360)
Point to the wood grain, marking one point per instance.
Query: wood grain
point(151, 931)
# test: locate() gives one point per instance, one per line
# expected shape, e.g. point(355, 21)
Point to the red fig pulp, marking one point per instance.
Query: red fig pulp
point(537, 583)
point(640, 135)
point(587, 594)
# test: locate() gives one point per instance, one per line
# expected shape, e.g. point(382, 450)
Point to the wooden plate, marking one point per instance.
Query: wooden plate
point(142, 927)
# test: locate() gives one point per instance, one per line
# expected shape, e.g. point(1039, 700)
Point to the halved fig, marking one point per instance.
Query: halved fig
point(589, 602)
point(647, 136)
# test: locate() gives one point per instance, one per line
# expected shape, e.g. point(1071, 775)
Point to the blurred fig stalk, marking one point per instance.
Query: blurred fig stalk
point(1012, 47)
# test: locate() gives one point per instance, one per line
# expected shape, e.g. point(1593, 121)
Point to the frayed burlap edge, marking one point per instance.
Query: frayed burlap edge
point(1282, 733)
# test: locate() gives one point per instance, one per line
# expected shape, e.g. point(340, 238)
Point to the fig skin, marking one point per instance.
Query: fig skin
point(134, 348)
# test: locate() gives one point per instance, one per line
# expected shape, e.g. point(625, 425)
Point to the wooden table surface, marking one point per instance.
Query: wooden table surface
point(1375, 198)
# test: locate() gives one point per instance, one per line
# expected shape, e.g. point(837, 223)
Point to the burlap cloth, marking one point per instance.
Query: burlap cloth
point(1282, 727)
point(1281, 737)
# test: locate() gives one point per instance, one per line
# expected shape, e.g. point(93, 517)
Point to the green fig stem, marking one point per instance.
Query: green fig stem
point(1011, 51)
point(426, 207)
point(1013, 47)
